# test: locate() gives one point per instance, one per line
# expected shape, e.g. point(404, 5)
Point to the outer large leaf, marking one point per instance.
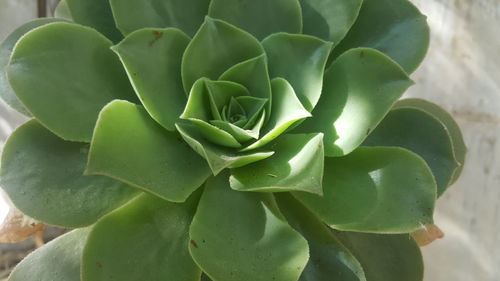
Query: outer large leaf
point(6, 92)
point(152, 58)
point(43, 176)
point(129, 146)
point(260, 17)
point(418, 131)
point(187, 15)
point(459, 147)
point(360, 88)
point(218, 157)
point(385, 257)
point(327, 19)
point(296, 165)
point(58, 260)
point(216, 47)
point(301, 60)
point(234, 236)
point(375, 189)
point(329, 259)
point(96, 14)
point(394, 27)
point(73, 69)
point(286, 110)
point(150, 234)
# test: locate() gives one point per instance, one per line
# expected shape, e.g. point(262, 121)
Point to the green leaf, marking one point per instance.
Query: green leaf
point(259, 17)
point(218, 157)
point(186, 15)
point(394, 27)
point(254, 75)
point(216, 47)
point(375, 189)
point(296, 165)
point(286, 110)
point(241, 135)
point(150, 234)
point(73, 69)
point(129, 146)
point(359, 89)
point(329, 259)
point(235, 236)
point(329, 20)
point(96, 14)
point(62, 11)
point(207, 98)
point(214, 134)
point(420, 132)
point(6, 92)
point(152, 59)
point(301, 60)
point(57, 260)
point(43, 176)
point(385, 257)
point(459, 147)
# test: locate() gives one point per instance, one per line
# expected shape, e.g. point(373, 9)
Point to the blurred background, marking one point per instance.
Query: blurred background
point(462, 74)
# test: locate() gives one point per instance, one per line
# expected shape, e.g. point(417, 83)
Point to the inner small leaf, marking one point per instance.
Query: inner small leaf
point(220, 94)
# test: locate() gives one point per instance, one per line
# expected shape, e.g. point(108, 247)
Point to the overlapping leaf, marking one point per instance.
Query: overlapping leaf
point(423, 134)
point(58, 260)
point(273, 16)
point(149, 234)
point(6, 92)
point(375, 189)
point(360, 87)
point(84, 76)
point(394, 27)
point(129, 146)
point(52, 188)
point(131, 15)
point(250, 244)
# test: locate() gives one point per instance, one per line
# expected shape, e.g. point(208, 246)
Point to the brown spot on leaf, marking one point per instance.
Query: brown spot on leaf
point(362, 54)
point(368, 131)
point(98, 264)
point(194, 244)
point(157, 35)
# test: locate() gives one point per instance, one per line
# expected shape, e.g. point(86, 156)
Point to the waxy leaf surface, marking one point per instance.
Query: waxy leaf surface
point(286, 109)
point(84, 76)
point(359, 89)
point(186, 15)
point(96, 14)
point(235, 236)
point(418, 131)
point(129, 146)
point(459, 147)
point(6, 92)
point(259, 17)
point(215, 48)
point(57, 260)
point(218, 157)
point(385, 257)
point(43, 176)
point(150, 234)
point(375, 189)
point(327, 19)
point(329, 259)
point(301, 60)
point(296, 165)
point(394, 27)
point(152, 59)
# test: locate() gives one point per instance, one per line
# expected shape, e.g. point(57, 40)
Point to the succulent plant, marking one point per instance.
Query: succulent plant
point(225, 140)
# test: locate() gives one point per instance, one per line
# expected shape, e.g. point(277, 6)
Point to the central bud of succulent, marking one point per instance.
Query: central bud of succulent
point(225, 112)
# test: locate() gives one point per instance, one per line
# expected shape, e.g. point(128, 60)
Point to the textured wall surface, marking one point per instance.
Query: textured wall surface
point(462, 74)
